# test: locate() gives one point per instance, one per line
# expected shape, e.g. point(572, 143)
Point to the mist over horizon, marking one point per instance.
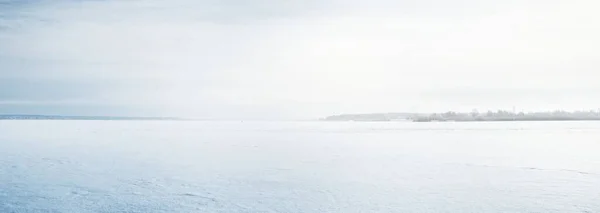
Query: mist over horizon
point(296, 59)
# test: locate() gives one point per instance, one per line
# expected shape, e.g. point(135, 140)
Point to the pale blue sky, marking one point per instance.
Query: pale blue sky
point(296, 59)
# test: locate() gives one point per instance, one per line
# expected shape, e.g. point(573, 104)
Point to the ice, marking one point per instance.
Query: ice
point(189, 166)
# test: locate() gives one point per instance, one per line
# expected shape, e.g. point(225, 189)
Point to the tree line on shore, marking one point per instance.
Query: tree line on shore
point(475, 115)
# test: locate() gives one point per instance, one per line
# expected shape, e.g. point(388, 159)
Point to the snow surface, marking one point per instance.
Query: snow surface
point(185, 166)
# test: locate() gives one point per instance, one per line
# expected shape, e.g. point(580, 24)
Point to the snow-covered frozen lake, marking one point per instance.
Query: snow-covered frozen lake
point(316, 167)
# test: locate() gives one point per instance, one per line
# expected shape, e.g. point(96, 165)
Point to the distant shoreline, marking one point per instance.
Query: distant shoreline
point(90, 118)
point(498, 116)
point(509, 120)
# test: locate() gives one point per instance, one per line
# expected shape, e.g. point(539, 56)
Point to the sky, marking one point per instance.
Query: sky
point(296, 59)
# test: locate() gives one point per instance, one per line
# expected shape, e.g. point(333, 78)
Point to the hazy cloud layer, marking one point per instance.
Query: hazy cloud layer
point(296, 59)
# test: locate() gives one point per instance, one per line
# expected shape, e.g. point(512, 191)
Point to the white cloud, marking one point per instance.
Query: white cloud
point(308, 58)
